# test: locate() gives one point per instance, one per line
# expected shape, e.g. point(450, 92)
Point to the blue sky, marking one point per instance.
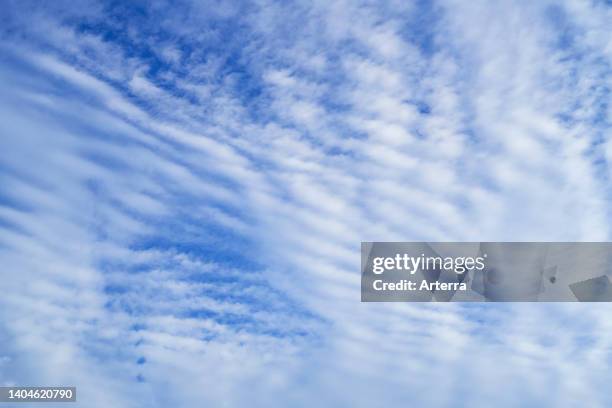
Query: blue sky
point(184, 187)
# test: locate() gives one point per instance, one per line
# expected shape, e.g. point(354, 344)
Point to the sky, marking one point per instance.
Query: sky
point(184, 187)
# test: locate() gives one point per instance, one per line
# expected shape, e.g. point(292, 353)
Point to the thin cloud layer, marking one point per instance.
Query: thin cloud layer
point(184, 188)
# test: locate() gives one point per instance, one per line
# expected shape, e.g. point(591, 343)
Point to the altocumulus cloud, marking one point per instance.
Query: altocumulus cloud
point(183, 190)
